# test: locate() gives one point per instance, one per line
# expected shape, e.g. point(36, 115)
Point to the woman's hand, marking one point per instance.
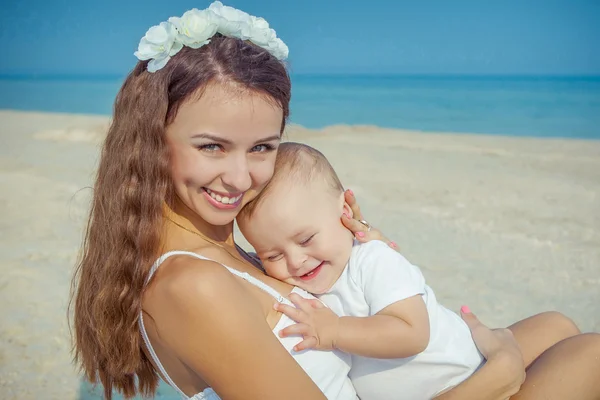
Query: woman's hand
point(362, 233)
point(491, 342)
point(500, 347)
point(503, 373)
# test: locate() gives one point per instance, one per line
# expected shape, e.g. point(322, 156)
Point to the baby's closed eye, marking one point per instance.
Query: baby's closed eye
point(307, 240)
point(275, 257)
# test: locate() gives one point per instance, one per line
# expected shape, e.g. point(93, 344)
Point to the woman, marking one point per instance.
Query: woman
point(194, 136)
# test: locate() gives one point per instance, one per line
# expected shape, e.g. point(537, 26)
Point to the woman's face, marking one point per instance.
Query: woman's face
point(223, 147)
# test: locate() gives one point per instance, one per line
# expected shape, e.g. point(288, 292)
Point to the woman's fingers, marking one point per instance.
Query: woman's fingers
point(490, 342)
point(351, 200)
point(357, 227)
point(352, 224)
point(470, 319)
point(361, 232)
point(499, 345)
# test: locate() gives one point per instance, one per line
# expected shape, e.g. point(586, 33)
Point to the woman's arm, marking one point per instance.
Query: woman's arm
point(501, 376)
point(219, 330)
point(494, 381)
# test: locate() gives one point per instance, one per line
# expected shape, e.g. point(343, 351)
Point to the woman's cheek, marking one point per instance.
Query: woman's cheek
point(263, 172)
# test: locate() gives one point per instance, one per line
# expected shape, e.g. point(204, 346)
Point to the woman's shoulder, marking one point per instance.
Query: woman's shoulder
point(182, 279)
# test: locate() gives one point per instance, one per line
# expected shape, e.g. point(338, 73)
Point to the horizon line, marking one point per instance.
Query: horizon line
point(115, 75)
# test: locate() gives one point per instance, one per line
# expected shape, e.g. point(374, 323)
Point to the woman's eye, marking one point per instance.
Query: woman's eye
point(212, 147)
point(262, 148)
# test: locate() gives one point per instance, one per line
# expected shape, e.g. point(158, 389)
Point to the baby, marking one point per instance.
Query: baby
point(404, 344)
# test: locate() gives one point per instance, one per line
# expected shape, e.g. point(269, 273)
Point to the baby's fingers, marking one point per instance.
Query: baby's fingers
point(301, 303)
point(308, 343)
point(292, 312)
point(316, 303)
point(295, 330)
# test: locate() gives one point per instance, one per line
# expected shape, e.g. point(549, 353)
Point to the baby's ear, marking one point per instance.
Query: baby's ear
point(347, 210)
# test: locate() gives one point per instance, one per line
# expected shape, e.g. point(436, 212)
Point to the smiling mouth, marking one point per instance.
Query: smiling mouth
point(313, 273)
point(225, 200)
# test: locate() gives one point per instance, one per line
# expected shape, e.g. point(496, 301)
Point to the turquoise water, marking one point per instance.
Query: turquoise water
point(521, 106)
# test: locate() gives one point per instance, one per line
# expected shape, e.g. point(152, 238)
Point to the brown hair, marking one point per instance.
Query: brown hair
point(298, 163)
point(133, 181)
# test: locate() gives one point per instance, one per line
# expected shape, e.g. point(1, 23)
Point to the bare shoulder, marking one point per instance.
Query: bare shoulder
point(191, 294)
point(191, 282)
point(205, 318)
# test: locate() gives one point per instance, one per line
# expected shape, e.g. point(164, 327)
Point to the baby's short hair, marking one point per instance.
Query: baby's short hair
point(298, 163)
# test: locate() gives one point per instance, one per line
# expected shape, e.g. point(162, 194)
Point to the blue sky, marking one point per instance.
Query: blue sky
point(325, 36)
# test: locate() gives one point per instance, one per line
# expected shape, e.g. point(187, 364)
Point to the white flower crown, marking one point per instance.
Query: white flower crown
point(195, 28)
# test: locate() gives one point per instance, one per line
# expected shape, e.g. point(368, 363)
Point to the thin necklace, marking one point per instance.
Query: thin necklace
point(238, 248)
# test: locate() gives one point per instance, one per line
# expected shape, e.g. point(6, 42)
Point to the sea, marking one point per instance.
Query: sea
point(539, 106)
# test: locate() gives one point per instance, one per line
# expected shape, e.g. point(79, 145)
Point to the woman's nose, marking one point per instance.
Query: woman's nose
point(237, 174)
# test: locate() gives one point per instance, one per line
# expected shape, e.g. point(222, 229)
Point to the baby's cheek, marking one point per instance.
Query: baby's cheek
point(273, 270)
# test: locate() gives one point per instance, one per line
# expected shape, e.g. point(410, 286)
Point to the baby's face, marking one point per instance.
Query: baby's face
point(297, 233)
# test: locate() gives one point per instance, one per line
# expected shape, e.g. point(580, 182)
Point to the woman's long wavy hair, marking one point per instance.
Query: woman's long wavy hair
point(133, 181)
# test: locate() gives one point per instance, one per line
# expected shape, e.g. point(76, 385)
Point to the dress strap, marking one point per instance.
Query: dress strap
point(244, 275)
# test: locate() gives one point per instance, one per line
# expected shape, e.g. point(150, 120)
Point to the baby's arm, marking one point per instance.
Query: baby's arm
point(400, 330)
point(393, 288)
point(397, 325)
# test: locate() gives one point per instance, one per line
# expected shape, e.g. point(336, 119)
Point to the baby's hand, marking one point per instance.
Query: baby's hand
point(317, 324)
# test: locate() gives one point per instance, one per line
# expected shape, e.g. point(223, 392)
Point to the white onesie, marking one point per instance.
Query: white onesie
point(375, 277)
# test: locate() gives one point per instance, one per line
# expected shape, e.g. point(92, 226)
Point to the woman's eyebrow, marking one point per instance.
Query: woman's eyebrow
point(211, 137)
point(268, 139)
point(227, 141)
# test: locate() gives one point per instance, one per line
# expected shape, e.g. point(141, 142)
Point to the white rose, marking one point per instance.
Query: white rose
point(195, 27)
point(158, 45)
point(260, 33)
point(278, 49)
point(232, 22)
point(258, 23)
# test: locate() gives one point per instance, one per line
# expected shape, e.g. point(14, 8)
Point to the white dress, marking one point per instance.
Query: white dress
point(329, 370)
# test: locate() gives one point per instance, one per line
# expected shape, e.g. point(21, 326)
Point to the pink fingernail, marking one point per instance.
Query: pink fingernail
point(346, 215)
point(465, 310)
point(393, 245)
point(351, 192)
point(360, 234)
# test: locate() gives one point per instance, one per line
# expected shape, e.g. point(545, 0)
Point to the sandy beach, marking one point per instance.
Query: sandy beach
point(509, 226)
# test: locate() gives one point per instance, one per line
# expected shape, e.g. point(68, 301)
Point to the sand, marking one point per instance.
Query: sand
point(509, 226)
